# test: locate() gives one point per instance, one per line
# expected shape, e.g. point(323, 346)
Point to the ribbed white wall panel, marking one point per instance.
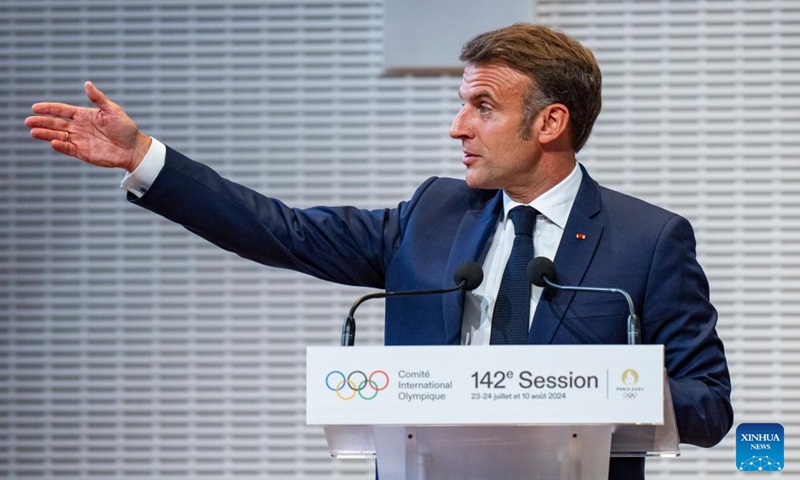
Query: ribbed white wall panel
point(130, 349)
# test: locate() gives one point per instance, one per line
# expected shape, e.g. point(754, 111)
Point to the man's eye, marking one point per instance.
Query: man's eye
point(485, 108)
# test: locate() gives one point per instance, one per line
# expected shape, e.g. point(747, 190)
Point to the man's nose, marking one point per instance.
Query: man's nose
point(460, 128)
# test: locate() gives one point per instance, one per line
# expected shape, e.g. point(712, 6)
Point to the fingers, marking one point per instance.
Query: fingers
point(64, 147)
point(50, 123)
point(97, 97)
point(68, 111)
point(51, 129)
point(51, 108)
point(50, 135)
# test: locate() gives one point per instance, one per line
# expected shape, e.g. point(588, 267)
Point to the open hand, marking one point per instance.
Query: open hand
point(105, 136)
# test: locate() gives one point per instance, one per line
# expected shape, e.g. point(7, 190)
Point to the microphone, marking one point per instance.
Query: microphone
point(467, 276)
point(542, 273)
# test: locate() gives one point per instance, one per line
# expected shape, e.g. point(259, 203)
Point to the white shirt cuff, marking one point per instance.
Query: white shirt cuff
point(141, 179)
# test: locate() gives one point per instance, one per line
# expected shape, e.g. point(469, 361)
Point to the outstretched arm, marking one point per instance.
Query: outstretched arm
point(104, 136)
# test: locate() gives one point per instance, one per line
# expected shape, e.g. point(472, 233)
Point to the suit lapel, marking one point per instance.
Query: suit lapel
point(468, 244)
point(575, 252)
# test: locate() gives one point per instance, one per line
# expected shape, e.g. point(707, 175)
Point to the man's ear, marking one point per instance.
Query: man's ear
point(552, 123)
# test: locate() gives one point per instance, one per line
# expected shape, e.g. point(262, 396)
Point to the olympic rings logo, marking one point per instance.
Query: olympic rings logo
point(630, 395)
point(357, 383)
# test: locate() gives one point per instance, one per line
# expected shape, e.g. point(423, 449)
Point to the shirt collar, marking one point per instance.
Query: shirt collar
point(556, 203)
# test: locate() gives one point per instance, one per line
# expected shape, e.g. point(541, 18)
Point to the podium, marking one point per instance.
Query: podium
point(516, 412)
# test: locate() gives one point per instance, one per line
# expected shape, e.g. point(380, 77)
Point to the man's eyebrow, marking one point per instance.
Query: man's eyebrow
point(483, 94)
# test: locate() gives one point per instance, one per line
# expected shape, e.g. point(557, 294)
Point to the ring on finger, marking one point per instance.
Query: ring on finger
point(67, 139)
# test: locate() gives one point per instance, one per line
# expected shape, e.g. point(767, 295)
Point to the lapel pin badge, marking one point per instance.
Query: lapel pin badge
point(581, 236)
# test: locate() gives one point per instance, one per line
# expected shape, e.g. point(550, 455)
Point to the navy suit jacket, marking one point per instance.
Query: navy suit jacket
point(610, 240)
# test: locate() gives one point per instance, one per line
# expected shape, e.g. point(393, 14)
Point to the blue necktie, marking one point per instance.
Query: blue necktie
point(513, 305)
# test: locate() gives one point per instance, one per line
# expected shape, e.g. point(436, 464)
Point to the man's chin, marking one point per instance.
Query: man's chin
point(474, 181)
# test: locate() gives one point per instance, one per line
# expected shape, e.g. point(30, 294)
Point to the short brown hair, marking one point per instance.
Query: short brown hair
point(560, 68)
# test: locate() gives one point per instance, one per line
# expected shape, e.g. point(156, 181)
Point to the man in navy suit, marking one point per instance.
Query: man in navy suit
point(530, 98)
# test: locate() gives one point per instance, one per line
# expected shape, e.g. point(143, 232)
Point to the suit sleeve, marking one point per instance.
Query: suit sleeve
point(680, 316)
point(340, 244)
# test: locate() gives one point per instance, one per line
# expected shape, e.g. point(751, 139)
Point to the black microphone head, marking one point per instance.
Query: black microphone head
point(469, 272)
point(539, 268)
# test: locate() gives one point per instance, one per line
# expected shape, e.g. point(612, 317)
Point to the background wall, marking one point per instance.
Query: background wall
point(129, 349)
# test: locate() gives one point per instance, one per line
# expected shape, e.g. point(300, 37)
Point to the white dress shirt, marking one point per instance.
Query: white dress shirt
point(139, 181)
point(554, 207)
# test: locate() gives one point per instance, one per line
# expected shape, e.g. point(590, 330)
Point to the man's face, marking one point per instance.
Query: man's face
point(489, 127)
